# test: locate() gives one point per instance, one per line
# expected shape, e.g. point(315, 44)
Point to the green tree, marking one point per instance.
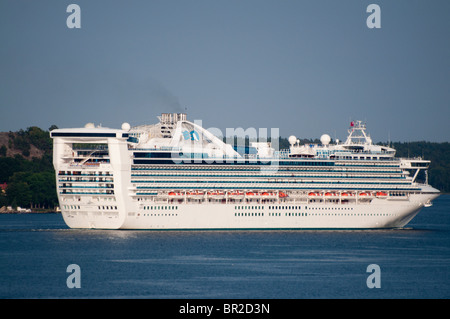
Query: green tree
point(3, 150)
point(18, 191)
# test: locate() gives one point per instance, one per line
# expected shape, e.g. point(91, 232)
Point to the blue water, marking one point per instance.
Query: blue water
point(35, 250)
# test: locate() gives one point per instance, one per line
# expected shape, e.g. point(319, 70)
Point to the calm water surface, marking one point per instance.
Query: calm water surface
point(35, 251)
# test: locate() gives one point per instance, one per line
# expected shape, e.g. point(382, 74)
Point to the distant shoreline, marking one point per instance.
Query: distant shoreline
point(43, 211)
point(29, 213)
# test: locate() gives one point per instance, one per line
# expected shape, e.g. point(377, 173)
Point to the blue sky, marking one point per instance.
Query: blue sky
point(305, 67)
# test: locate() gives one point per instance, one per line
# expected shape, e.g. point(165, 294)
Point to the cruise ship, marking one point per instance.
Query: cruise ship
point(176, 175)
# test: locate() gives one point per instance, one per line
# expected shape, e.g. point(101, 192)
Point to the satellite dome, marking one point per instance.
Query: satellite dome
point(292, 139)
point(89, 125)
point(126, 126)
point(325, 139)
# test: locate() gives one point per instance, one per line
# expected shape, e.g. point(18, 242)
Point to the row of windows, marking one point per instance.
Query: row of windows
point(99, 207)
point(158, 215)
point(251, 207)
point(71, 207)
point(259, 214)
point(351, 214)
point(86, 180)
point(180, 170)
point(292, 207)
point(107, 207)
point(231, 162)
point(160, 207)
point(84, 173)
point(270, 214)
point(87, 192)
point(330, 208)
point(270, 207)
point(337, 174)
point(248, 214)
point(339, 181)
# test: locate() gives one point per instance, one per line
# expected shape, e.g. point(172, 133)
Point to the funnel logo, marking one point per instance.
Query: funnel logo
point(192, 135)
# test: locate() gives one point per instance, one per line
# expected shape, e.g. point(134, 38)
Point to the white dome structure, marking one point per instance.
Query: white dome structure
point(126, 126)
point(292, 139)
point(325, 139)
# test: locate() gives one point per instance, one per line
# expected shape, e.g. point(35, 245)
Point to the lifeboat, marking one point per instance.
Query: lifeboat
point(313, 194)
point(216, 194)
point(346, 194)
point(196, 194)
point(381, 195)
point(268, 195)
point(251, 194)
point(282, 195)
point(365, 195)
point(176, 195)
point(236, 195)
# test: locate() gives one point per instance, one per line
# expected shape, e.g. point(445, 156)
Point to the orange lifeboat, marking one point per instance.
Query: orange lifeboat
point(269, 195)
point(236, 194)
point(282, 195)
point(314, 194)
point(252, 194)
point(176, 195)
point(216, 194)
point(365, 194)
point(196, 194)
point(381, 195)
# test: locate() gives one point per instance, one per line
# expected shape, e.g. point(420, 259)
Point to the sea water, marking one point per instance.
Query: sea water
point(37, 249)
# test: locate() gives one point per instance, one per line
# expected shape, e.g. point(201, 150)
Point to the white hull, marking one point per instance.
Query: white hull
point(380, 213)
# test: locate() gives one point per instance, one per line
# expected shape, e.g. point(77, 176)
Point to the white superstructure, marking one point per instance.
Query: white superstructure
point(177, 175)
